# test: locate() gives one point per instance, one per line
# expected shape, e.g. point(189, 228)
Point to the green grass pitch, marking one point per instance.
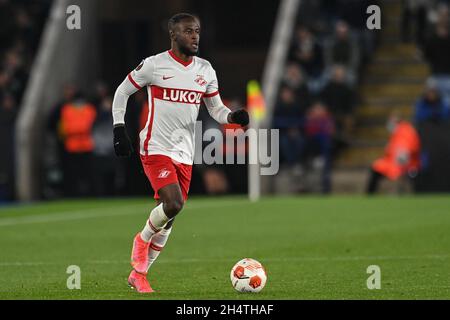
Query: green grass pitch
point(311, 247)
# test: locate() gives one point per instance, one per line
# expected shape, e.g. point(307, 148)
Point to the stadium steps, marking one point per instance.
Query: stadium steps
point(390, 89)
point(353, 181)
point(374, 112)
point(389, 70)
point(393, 80)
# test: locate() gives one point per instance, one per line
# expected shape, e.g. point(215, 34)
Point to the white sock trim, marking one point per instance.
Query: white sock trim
point(158, 242)
point(156, 221)
point(161, 237)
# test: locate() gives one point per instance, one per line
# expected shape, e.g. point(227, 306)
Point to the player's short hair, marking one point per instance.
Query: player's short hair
point(175, 19)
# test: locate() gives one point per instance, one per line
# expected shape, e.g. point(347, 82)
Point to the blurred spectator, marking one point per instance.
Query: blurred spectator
point(295, 79)
point(401, 156)
point(7, 24)
point(20, 25)
point(70, 91)
point(437, 51)
point(215, 181)
point(319, 131)
point(288, 117)
point(312, 13)
point(340, 98)
point(342, 49)
point(307, 52)
point(24, 26)
point(414, 20)
point(8, 112)
point(438, 13)
point(330, 10)
point(105, 162)
point(13, 68)
point(431, 106)
point(101, 94)
point(72, 121)
point(354, 12)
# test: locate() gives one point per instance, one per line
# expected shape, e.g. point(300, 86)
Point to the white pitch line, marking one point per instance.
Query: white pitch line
point(94, 213)
point(195, 260)
point(289, 259)
point(67, 216)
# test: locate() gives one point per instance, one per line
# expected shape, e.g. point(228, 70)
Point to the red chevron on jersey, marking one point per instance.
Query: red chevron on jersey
point(175, 92)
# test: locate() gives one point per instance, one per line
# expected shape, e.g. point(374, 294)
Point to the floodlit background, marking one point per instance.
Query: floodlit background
point(331, 87)
point(359, 112)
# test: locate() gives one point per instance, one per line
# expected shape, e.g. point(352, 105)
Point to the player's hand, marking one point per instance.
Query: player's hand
point(122, 142)
point(239, 116)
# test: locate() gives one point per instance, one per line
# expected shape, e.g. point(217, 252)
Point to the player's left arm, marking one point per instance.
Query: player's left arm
point(217, 109)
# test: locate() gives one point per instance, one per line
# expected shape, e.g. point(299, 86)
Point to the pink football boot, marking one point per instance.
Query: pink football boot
point(139, 282)
point(139, 255)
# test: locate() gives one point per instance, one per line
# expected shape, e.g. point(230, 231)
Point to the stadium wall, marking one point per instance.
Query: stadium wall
point(64, 56)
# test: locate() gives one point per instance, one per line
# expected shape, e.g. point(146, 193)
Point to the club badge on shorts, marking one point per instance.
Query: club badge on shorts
point(163, 173)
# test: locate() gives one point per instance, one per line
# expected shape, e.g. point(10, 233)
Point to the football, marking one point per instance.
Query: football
point(248, 275)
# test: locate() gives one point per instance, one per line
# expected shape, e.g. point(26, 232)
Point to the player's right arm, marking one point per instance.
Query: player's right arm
point(135, 80)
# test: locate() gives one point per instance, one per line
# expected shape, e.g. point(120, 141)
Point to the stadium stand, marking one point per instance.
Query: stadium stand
point(339, 84)
point(322, 71)
point(385, 71)
point(21, 23)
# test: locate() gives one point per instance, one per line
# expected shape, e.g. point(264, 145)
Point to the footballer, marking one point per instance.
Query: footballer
point(176, 81)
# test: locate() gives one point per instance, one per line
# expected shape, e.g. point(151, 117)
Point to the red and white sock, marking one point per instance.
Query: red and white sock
point(157, 244)
point(157, 220)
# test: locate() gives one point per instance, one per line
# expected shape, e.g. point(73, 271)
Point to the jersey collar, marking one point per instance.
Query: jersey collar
point(177, 59)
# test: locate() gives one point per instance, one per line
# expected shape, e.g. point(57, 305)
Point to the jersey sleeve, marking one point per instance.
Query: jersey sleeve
point(143, 74)
point(135, 80)
point(212, 88)
point(213, 102)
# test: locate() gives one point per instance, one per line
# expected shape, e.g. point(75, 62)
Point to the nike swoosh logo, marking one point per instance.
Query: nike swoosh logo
point(165, 78)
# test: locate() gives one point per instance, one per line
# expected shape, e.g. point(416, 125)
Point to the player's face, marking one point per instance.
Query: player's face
point(187, 36)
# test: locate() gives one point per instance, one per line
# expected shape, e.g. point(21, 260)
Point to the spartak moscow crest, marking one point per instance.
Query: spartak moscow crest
point(201, 80)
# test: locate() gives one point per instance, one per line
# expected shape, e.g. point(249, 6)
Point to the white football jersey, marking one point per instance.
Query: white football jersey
point(175, 90)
